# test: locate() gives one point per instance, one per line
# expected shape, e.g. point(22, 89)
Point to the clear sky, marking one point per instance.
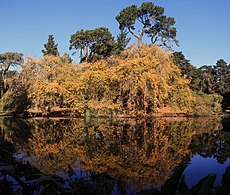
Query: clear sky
point(203, 26)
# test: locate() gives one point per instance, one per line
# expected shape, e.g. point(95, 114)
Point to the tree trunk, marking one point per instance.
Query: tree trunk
point(1, 85)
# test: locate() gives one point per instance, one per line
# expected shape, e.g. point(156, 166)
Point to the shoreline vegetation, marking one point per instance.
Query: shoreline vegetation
point(141, 81)
point(113, 80)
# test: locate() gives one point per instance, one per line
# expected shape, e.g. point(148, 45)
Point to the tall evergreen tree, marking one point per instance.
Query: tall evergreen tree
point(50, 47)
point(152, 22)
point(122, 41)
point(222, 77)
point(93, 44)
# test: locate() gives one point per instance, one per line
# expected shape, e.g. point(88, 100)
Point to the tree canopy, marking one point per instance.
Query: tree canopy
point(222, 77)
point(215, 78)
point(153, 23)
point(7, 60)
point(122, 41)
point(188, 70)
point(10, 59)
point(133, 80)
point(93, 44)
point(141, 80)
point(50, 47)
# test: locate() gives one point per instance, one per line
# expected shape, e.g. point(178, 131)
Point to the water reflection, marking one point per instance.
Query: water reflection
point(125, 156)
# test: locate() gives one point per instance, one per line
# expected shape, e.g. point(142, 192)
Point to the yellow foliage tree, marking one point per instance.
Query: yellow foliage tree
point(51, 82)
point(141, 80)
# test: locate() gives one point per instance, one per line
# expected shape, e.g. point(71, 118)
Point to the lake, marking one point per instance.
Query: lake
point(119, 156)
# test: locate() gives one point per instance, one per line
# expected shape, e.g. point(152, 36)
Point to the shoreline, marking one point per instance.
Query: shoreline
point(54, 115)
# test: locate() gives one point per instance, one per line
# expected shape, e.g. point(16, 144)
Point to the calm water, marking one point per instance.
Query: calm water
point(121, 156)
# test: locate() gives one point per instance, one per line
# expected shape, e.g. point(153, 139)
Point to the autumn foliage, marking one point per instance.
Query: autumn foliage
point(142, 80)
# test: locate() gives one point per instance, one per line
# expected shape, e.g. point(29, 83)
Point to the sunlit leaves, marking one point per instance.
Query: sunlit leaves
point(141, 80)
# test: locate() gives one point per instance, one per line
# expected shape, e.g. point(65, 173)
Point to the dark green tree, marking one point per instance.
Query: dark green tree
point(153, 23)
point(122, 41)
point(80, 41)
point(188, 70)
point(222, 77)
point(207, 79)
point(50, 47)
point(7, 60)
point(180, 60)
point(93, 44)
point(66, 57)
point(216, 79)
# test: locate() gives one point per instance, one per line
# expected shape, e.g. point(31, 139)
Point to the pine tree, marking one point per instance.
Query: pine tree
point(122, 41)
point(93, 44)
point(148, 20)
point(50, 47)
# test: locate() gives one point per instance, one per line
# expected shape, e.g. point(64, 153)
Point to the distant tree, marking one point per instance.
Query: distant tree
point(188, 70)
point(208, 79)
point(207, 76)
point(153, 23)
point(122, 41)
point(67, 57)
point(93, 44)
point(6, 61)
point(216, 78)
point(180, 60)
point(50, 47)
point(222, 77)
point(80, 42)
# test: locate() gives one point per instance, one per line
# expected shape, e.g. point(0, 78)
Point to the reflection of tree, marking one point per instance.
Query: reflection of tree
point(139, 152)
point(214, 144)
point(209, 139)
point(15, 130)
point(180, 133)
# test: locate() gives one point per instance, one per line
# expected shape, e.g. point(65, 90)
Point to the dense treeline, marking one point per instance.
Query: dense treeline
point(142, 79)
point(209, 79)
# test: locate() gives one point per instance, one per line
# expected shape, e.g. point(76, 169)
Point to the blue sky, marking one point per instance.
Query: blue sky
point(203, 26)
